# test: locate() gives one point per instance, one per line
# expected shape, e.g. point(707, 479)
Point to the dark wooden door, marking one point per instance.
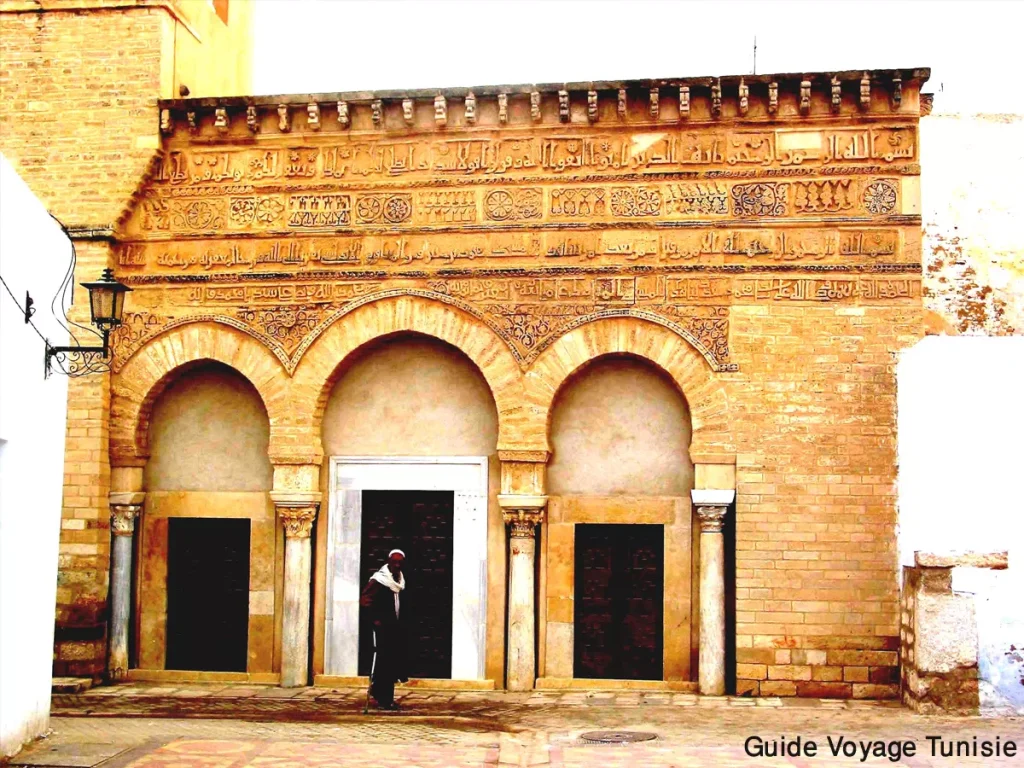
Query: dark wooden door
point(207, 594)
point(618, 606)
point(421, 524)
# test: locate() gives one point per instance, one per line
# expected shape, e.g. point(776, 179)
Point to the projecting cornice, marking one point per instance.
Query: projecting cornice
point(754, 98)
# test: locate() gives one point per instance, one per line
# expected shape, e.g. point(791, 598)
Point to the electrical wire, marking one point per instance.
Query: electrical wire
point(87, 364)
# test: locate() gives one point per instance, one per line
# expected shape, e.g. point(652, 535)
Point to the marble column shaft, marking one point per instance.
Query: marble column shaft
point(298, 524)
point(122, 526)
point(522, 663)
point(712, 600)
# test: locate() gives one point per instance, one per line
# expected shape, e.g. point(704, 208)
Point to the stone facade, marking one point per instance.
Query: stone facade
point(756, 239)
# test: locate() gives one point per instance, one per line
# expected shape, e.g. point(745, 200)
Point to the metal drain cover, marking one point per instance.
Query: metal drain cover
point(617, 737)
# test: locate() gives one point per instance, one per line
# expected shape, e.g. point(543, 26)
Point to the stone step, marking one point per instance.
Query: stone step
point(71, 684)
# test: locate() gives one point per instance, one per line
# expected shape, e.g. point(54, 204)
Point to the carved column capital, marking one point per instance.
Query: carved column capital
point(122, 518)
point(523, 522)
point(712, 506)
point(297, 518)
point(711, 518)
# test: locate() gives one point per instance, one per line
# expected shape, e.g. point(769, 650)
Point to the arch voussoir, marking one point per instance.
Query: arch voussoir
point(705, 394)
point(147, 373)
point(319, 369)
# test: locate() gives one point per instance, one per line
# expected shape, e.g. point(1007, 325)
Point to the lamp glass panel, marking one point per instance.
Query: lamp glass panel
point(102, 304)
point(118, 312)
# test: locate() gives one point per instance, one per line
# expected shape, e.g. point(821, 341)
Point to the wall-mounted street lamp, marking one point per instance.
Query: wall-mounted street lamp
point(106, 305)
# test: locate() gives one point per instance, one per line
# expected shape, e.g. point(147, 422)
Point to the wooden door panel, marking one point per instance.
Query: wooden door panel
point(208, 594)
point(421, 524)
point(618, 601)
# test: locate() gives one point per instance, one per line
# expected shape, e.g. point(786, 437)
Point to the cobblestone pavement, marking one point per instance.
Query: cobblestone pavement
point(221, 726)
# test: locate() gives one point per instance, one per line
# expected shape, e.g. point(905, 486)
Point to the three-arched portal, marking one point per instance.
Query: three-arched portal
point(408, 422)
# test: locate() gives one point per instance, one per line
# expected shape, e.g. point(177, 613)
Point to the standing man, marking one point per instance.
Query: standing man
point(381, 597)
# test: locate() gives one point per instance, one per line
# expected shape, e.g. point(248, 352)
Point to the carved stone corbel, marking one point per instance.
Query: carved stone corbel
point(535, 106)
point(220, 119)
point(805, 97)
point(716, 99)
point(654, 107)
point(343, 120)
point(407, 113)
point(897, 91)
point(166, 124)
point(470, 108)
point(193, 125)
point(563, 106)
point(313, 116)
point(440, 110)
point(837, 95)
point(684, 102)
point(773, 98)
point(503, 108)
point(377, 112)
point(865, 91)
point(744, 97)
point(251, 119)
point(283, 119)
point(622, 104)
point(592, 106)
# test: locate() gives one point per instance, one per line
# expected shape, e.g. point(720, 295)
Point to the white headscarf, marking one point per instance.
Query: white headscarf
point(383, 576)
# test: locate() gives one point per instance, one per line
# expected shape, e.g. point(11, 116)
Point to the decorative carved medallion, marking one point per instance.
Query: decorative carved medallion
point(761, 199)
point(880, 197)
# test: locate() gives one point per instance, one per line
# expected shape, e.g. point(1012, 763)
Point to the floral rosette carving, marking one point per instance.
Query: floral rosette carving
point(880, 197)
point(762, 199)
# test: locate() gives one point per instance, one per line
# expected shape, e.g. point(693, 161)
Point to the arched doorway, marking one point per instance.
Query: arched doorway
point(410, 438)
point(208, 551)
point(618, 551)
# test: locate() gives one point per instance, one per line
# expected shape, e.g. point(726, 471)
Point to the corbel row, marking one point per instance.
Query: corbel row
point(342, 109)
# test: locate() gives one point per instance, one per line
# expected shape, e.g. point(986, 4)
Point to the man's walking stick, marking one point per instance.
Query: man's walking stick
point(369, 684)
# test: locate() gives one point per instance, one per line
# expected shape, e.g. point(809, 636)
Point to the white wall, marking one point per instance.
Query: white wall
point(34, 255)
point(960, 417)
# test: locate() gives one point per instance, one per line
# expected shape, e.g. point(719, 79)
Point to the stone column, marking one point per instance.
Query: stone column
point(522, 514)
point(124, 508)
point(298, 517)
point(711, 508)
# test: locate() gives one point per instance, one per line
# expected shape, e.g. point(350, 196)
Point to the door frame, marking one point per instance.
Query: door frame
point(466, 478)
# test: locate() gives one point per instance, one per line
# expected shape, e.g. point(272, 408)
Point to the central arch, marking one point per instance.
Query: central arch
point(323, 362)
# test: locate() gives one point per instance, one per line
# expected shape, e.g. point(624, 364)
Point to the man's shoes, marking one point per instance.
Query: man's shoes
point(392, 707)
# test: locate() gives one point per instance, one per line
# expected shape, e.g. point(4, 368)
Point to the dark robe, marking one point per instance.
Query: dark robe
point(390, 664)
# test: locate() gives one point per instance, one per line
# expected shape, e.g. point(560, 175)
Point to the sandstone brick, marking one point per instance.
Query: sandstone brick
point(827, 674)
point(778, 688)
point(824, 690)
point(871, 691)
point(789, 672)
point(855, 674)
point(747, 687)
point(752, 671)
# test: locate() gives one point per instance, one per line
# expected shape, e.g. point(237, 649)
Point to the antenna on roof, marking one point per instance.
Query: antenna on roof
point(755, 56)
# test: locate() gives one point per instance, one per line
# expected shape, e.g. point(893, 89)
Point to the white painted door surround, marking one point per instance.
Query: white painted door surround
point(466, 477)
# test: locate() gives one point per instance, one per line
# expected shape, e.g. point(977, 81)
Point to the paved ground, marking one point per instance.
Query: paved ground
point(220, 726)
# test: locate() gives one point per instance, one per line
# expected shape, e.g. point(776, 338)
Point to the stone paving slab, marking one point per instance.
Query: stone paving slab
point(521, 736)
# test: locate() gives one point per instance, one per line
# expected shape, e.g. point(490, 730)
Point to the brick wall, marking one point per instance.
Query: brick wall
point(79, 118)
point(817, 599)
